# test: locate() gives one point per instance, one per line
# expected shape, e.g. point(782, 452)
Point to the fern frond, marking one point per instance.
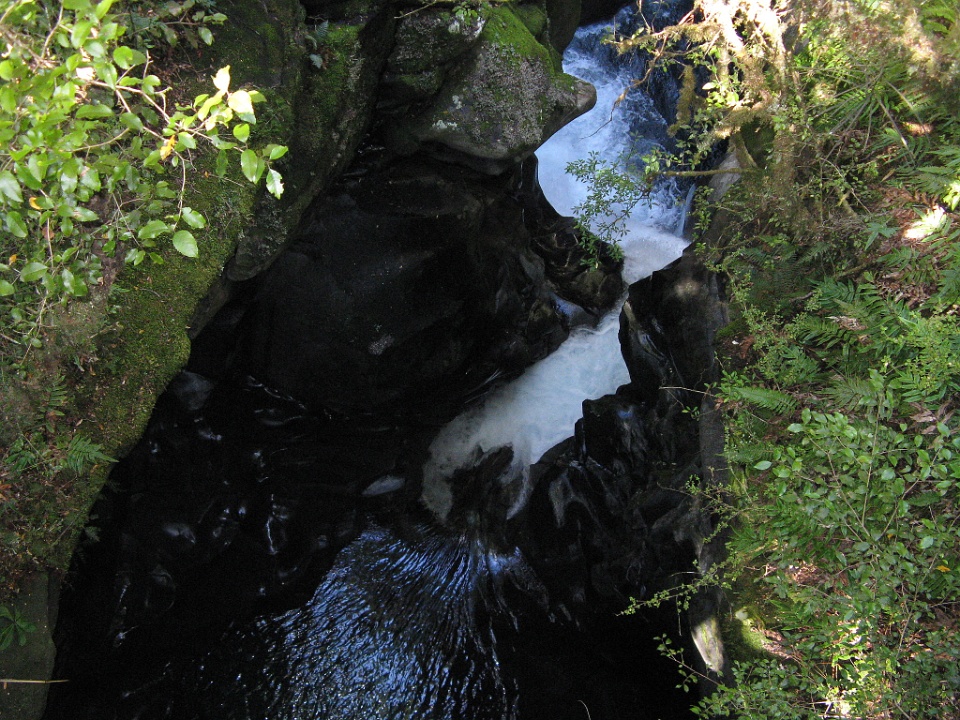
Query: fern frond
point(767, 399)
point(825, 332)
point(849, 393)
point(82, 453)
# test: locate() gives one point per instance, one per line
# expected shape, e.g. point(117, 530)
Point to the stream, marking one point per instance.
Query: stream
point(309, 564)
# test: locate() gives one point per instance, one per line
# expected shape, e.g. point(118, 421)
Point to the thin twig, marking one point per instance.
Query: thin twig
point(17, 681)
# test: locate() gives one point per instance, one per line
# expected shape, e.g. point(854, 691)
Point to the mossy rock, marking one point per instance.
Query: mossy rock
point(500, 103)
point(143, 317)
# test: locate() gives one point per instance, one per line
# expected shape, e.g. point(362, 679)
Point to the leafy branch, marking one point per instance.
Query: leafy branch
point(87, 133)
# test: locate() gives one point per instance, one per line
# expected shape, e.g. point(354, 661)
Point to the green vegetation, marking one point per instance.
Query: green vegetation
point(13, 627)
point(840, 250)
point(98, 157)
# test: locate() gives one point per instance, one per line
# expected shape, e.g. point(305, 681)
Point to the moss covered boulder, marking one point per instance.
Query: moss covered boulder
point(502, 100)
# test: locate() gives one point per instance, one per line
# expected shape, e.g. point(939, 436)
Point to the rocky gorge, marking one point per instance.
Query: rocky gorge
point(270, 524)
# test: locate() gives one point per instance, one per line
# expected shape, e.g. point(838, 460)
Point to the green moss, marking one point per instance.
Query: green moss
point(148, 341)
point(507, 30)
point(533, 17)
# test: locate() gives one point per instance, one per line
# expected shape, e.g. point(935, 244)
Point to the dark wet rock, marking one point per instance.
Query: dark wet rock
point(326, 112)
point(564, 18)
point(411, 278)
point(668, 326)
point(583, 539)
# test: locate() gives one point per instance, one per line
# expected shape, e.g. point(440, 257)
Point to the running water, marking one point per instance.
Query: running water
point(540, 409)
point(609, 130)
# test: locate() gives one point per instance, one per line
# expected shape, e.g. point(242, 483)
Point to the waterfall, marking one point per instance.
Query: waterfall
point(610, 131)
point(539, 409)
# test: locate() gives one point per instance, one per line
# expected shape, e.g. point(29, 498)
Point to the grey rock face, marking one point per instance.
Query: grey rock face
point(501, 102)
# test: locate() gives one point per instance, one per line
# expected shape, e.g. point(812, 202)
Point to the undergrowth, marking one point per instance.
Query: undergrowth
point(840, 251)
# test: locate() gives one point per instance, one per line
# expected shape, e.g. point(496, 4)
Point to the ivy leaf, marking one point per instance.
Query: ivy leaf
point(193, 218)
point(185, 243)
point(274, 183)
point(9, 187)
point(248, 164)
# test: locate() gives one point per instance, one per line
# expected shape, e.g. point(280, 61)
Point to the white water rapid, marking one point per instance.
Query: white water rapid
point(539, 409)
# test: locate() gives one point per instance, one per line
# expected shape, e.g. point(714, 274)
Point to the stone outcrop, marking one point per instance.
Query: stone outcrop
point(495, 107)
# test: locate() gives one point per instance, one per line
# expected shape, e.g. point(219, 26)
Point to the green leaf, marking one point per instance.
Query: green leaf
point(6, 288)
point(208, 105)
point(221, 144)
point(222, 160)
point(9, 187)
point(222, 79)
point(185, 243)
point(186, 139)
point(152, 229)
point(15, 224)
point(274, 183)
point(123, 56)
point(763, 465)
point(80, 33)
point(94, 111)
point(85, 215)
point(132, 121)
point(248, 164)
point(103, 7)
point(275, 152)
point(240, 102)
point(241, 132)
point(206, 35)
point(33, 271)
point(927, 541)
point(107, 73)
point(73, 285)
point(8, 99)
point(193, 218)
